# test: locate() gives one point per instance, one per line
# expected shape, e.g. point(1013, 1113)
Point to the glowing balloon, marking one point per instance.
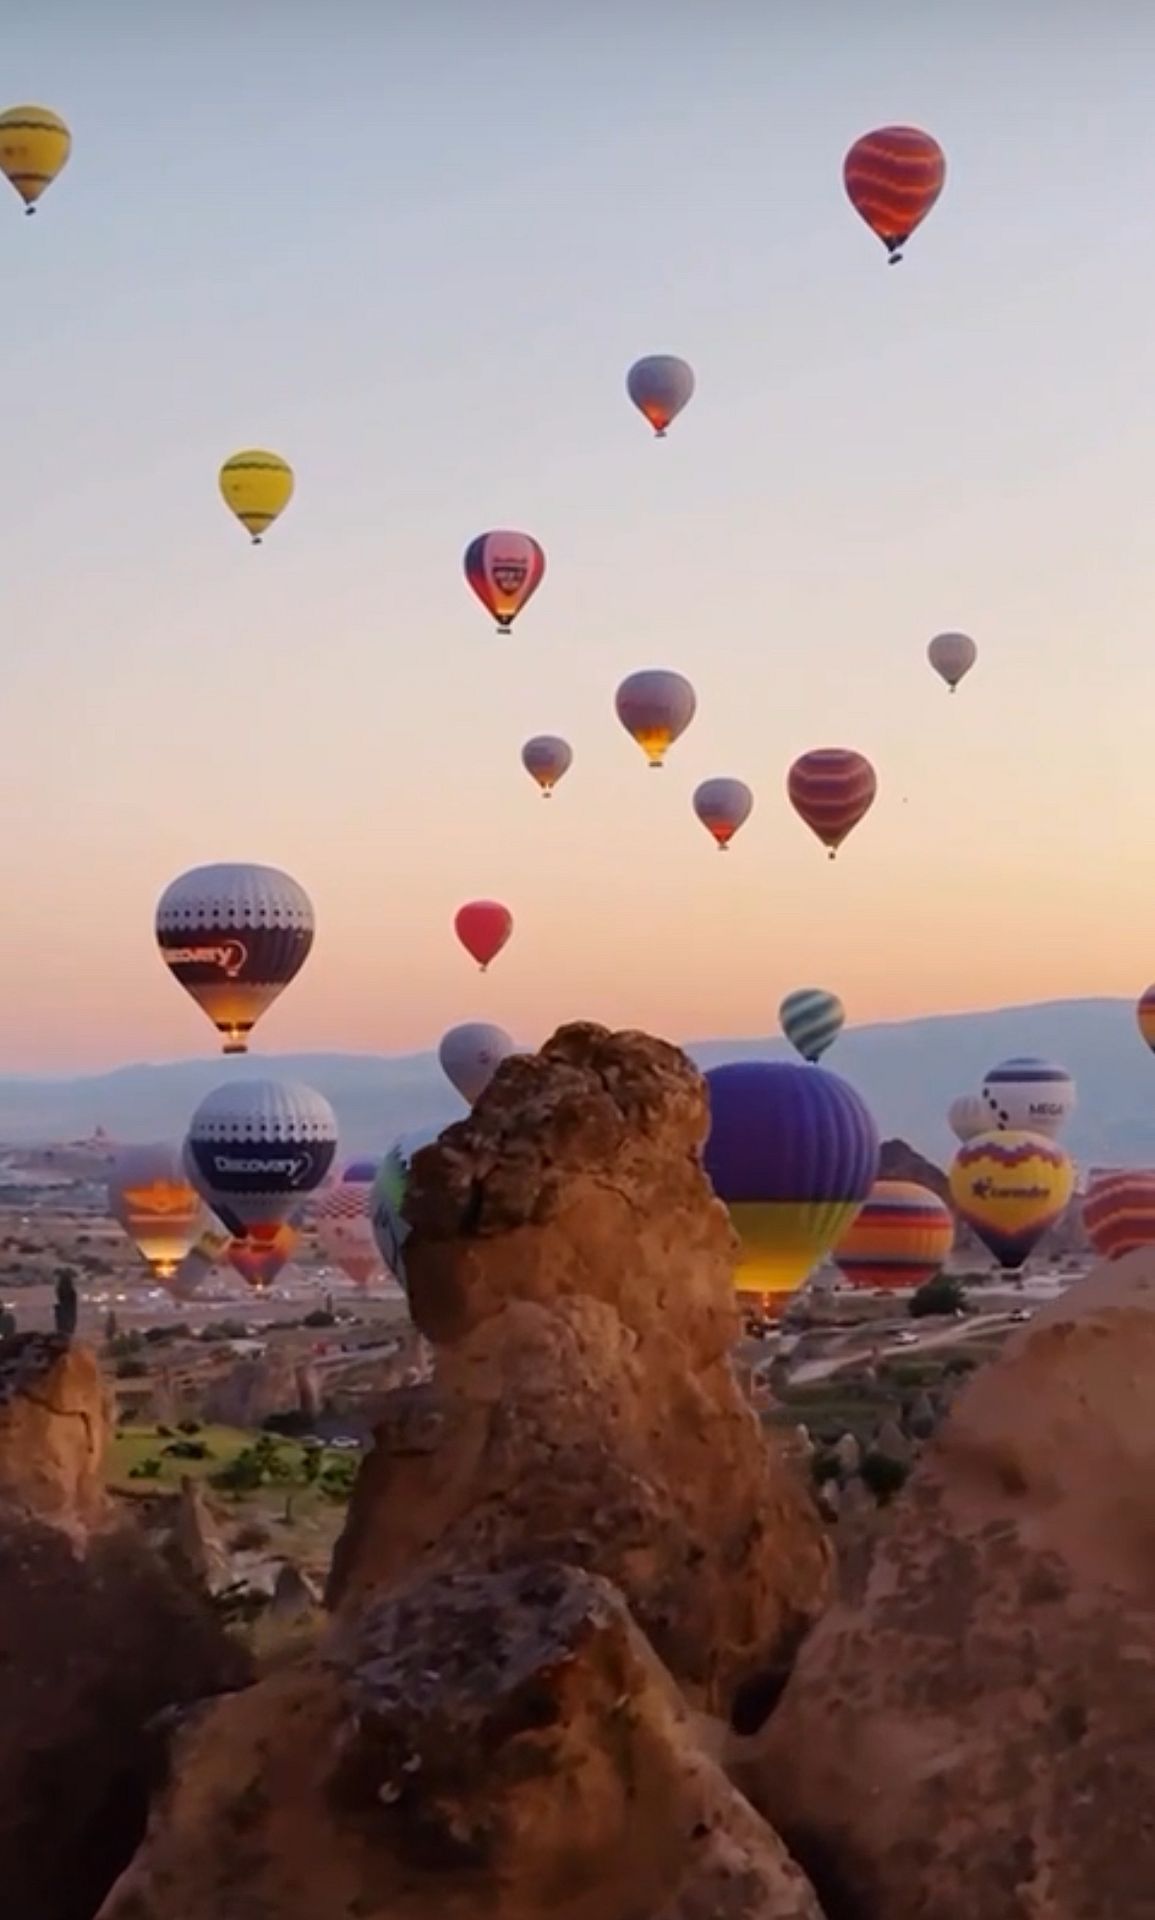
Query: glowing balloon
point(546, 758)
point(655, 707)
point(660, 386)
point(256, 1149)
point(723, 806)
point(150, 1196)
point(257, 486)
point(386, 1204)
point(952, 655)
point(344, 1227)
point(1029, 1095)
point(483, 927)
point(812, 1020)
point(900, 1237)
point(234, 936)
point(832, 789)
point(1119, 1210)
point(471, 1054)
point(968, 1115)
point(1145, 1015)
point(34, 148)
point(505, 570)
point(793, 1154)
point(260, 1261)
point(893, 178)
point(1009, 1188)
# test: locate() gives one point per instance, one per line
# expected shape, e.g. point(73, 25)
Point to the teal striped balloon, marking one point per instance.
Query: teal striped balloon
point(812, 1021)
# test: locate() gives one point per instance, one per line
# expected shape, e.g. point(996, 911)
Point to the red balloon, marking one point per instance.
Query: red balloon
point(483, 927)
point(893, 178)
point(832, 788)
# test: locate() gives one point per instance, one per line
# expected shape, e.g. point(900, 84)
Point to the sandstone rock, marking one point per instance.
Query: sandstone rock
point(252, 1389)
point(848, 1453)
point(53, 1429)
point(922, 1416)
point(971, 1732)
point(197, 1541)
point(892, 1443)
point(294, 1594)
point(481, 1743)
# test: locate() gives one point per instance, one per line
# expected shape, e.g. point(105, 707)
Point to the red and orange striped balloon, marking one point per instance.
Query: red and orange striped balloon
point(899, 1238)
point(1145, 1015)
point(893, 178)
point(832, 788)
point(1119, 1210)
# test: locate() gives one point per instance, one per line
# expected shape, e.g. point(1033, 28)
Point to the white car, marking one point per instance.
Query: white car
point(906, 1339)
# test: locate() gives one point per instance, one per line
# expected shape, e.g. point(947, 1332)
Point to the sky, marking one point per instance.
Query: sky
point(415, 249)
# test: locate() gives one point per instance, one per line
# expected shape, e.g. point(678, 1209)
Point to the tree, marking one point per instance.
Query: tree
point(111, 1326)
point(883, 1476)
point(943, 1294)
point(319, 1317)
point(7, 1323)
point(67, 1306)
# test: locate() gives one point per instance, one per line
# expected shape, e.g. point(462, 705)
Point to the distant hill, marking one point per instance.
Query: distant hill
point(908, 1070)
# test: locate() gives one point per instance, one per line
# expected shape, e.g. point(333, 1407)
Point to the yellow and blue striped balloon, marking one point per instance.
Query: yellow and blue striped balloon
point(812, 1020)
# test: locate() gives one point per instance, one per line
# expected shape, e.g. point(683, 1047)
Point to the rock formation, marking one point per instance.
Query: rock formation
point(564, 1550)
point(54, 1424)
point(969, 1731)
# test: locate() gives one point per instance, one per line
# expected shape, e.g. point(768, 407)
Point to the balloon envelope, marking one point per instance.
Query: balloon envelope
point(1145, 1015)
point(35, 146)
point(260, 1261)
point(390, 1228)
point(483, 927)
point(234, 936)
point(893, 177)
point(968, 1115)
point(655, 707)
point(344, 1226)
point(1119, 1210)
point(505, 570)
point(1029, 1095)
point(151, 1197)
point(660, 386)
point(952, 655)
point(812, 1020)
point(793, 1154)
point(899, 1238)
point(256, 486)
point(1010, 1187)
point(832, 788)
point(256, 1149)
point(546, 758)
point(471, 1054)
point(723, 806)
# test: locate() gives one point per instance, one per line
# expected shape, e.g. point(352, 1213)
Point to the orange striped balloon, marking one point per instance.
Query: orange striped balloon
point(1119, 1210)
point(832, 788)
point(899, 1238)
point(1145, 1015)
point(893, 178)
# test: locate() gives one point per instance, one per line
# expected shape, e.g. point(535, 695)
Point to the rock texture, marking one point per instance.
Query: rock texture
point(96, 1639)
point(564, 1550)
point(970, 1733)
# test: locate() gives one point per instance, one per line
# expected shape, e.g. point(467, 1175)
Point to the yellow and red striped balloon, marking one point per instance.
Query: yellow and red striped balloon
point(1145, 1015)
point(893, 177)
point(832, 789)
point(1119, 1210)
point(900, 1237)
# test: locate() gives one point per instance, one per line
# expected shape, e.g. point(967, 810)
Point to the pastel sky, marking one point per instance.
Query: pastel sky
point(415, 248)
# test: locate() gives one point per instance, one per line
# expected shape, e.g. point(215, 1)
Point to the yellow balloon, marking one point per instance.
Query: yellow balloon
point(256, 486)
point(783, 1241)
point(34, 147)
point(1010, 1187)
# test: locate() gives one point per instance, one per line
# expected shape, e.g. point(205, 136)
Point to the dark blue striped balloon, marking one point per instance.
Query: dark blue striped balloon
point(780, 1132)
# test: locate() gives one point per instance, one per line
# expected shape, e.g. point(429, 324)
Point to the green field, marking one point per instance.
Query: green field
point(135, 1444)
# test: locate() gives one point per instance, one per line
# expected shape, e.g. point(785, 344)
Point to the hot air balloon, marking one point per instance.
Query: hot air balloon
point(952, 655)
point(832, 788)
point(1029, 1095)
point(1119, 1210)
point(344, 1227)
point(234, 936)
point(471, 1054)
point(34, 148)
point(723, 806)
point(149, 1195)
point(893, 178)
point(812, 1020)
point(387, 1200)
point(505, 570)
point(660, 386)
point(256, 1149)
point(258, 1262)
point(793, 1154)
point(968, 1115)
point(257, 486)
point(483, 927)
point(900, 1237)
point(655, 707)
point(546, 758)
point(210, 1249)
point(1145, 1015)
point(1009, 1188)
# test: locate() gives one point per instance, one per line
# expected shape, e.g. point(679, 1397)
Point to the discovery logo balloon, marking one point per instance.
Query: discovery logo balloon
point(505, 570)
point(258, 1262)
point(344, 1227)
point(483, 927)
point(812, 1020)
point(234, 936)
point(256, 1149)
point(386, 1206)
point(1119, 1210)
point(1009, 1188)
point(1026, 1094)
point(655, 707)
point(34, 148)
point(660, 386)
point(546, 758)
point(471, 1054)
point(952, 655)
point(793, 1154)
point(832, 789)
point(723, 806)
point(900, 1237)
point(256, 486)
point(968, 1115)
point(150, 1196)
point(893, 178)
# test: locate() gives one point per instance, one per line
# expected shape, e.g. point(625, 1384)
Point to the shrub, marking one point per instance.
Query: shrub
point(943, 1294)
point(188, 1426)
point(189, 1450)
point(319, 1317)
point(883, 1476)
point(130, 1369)
point(150, 1469)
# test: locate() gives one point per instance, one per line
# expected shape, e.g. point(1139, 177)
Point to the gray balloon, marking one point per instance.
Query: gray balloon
point(660, 386)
